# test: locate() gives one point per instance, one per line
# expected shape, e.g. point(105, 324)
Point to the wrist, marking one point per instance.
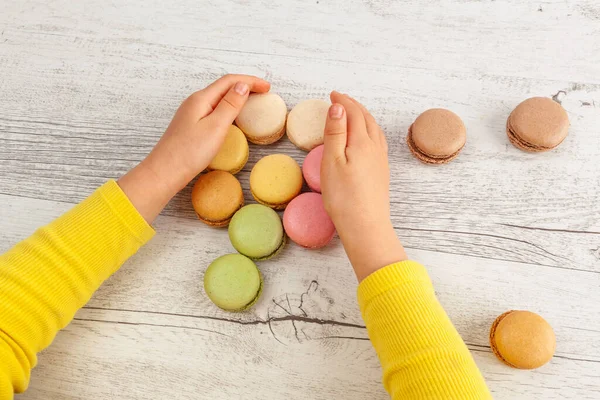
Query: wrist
point(371, 248)
point(167, 172)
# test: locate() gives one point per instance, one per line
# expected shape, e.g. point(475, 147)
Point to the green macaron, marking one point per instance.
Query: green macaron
point(256, 231)
point(233, 282)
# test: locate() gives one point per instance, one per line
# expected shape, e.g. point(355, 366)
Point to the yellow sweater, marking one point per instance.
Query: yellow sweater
point(46, 278)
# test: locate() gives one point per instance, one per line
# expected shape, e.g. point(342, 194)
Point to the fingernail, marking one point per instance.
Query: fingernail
point(336, 111)
point(241, 88)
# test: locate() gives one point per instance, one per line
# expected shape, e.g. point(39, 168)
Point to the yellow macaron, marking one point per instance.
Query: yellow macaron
point(216, 196)
point(233, 154)
point(275, 180)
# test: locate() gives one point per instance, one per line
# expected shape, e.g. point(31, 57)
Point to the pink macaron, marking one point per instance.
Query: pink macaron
point(306, 222)
point(311, 168)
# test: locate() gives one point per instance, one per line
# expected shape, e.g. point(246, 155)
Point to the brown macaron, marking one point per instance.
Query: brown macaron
point(216, 196)
point(437, 136)
point(537, 124)
point(522, 339)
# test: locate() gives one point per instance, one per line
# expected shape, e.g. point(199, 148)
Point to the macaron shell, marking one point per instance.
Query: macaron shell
point(256, 231)
point(306, 123)
point(233, 282)
point(538, 124)
point(522, 339)
point(263, 118)
point(233, 154)
point(216, 196)
point(275, 180)
point(438, 133)
point(306, 222)
point(311, 168)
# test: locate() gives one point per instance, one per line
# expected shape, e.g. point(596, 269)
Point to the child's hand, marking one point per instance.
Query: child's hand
point(199, 126)
point(355, 181)
point(191, 141)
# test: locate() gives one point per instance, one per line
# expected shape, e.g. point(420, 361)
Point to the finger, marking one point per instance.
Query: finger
point(336, 134)
point(203, 102)
point(216, 90)
point(357, 129)
point(372, 127)
point(230, 106)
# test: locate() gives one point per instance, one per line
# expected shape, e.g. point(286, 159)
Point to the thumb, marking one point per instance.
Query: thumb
point(336, 134)
point(230, 106)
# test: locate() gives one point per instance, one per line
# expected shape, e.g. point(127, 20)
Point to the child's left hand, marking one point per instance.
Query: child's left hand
point(191, 141)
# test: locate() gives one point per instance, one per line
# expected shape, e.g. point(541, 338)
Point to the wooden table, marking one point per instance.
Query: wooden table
point(87, 88)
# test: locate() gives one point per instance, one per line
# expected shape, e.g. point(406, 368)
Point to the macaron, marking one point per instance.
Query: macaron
point(233, 154)
point(306, 123)
point(262, 119)
point(306, 222)
point(233, 282)
point(256, 232)
point(311, 168)
point(275, 180)
point(537, 124)
point(436, 136)
point(522, 339)
point(216, 196)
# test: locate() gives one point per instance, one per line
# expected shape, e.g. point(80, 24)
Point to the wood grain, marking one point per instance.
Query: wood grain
point(87, 88)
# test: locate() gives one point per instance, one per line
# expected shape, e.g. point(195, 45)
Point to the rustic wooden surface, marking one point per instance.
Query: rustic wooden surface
point(86, 89)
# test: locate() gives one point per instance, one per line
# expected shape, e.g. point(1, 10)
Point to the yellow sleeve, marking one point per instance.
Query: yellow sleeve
point(422, 354)
point(46, 278)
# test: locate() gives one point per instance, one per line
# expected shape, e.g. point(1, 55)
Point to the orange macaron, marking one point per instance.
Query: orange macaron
point(216, 196)
point(522, 339)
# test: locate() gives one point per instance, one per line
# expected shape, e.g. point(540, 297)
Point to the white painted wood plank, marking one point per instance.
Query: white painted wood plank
point(512, 38)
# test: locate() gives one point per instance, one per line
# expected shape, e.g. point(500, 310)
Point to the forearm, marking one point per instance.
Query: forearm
point(46, 278)
point(421, 353)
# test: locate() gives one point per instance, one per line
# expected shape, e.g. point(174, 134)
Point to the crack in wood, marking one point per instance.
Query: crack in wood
point(149, 324)
point(296, 318)
point(316, 283)
point(533, 228)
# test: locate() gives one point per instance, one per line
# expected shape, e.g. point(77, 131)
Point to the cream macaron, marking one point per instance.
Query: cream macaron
point(262, 119)
point(306, 123)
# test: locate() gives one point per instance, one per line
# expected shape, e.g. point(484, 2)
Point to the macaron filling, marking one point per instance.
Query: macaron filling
point(275, 252)
point(493, 338)
point(222, 222)
point(264, 140)
point(255, 299)
point(275, 206)
point(519, 142)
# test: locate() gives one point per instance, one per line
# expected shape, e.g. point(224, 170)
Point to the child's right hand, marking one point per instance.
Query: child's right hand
point(355, 182)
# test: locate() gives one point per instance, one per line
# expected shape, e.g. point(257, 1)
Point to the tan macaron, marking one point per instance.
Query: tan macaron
point(522, 339)
point(233, 154)
point(436, 136)
point(216, 196)
point(537, 124)
point(263, 118)
point(306, 123)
